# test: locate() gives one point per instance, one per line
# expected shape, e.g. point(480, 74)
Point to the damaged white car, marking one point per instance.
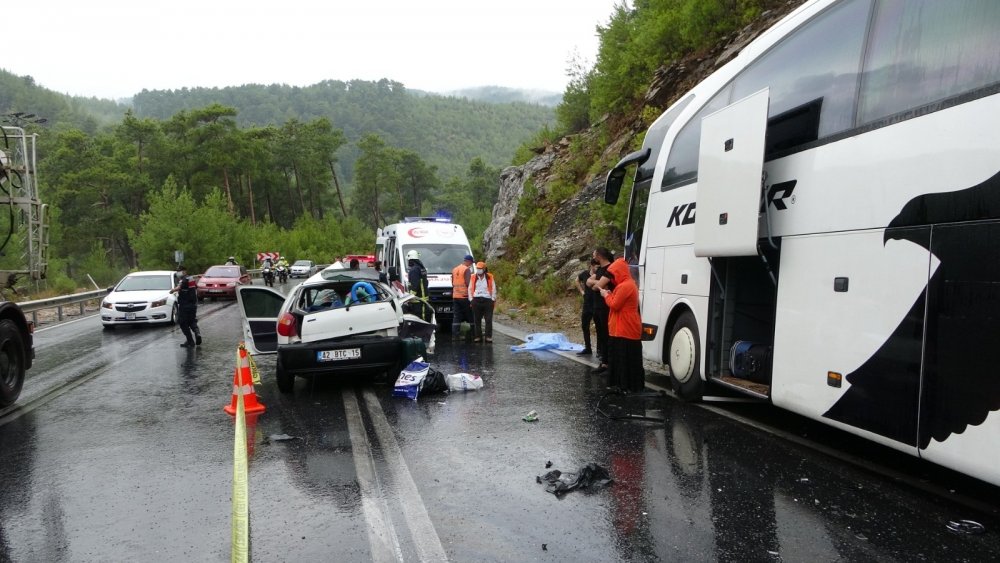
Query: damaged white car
point(337, 321)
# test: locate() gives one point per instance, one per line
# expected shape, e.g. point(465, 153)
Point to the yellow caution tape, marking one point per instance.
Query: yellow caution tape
point(241, 500)
point(254, 374)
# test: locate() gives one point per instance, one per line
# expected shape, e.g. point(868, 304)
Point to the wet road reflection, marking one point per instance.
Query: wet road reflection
point(135, 463)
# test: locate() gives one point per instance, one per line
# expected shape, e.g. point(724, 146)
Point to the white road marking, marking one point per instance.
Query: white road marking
point(381, 534)
point(425, 537)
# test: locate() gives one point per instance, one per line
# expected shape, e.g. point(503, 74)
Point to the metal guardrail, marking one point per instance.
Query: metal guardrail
point(58, 303)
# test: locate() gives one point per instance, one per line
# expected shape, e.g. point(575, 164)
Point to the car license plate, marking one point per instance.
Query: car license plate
point(215, 291)
point(443, 309)
point(129, 316)
point(336, 355)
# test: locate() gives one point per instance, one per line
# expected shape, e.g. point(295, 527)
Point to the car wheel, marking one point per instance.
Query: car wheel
point(11, 362)
point(173, 315)
point(109, 327)
point(286, 381)
point(684, 359)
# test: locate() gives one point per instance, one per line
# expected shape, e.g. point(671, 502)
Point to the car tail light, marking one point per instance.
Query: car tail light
point(286, 325)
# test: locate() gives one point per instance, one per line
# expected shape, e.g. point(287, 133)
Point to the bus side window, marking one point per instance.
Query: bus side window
point(923, 51)
point(812, 75)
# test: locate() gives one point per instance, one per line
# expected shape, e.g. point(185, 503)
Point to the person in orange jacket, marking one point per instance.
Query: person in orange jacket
point(625, 369)
point(461, 309)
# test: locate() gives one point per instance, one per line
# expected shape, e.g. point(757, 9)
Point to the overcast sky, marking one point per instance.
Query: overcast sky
point(116, 48)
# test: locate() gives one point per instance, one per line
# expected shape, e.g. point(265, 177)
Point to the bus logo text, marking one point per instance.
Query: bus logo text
point(681, 215)
point(783, 188)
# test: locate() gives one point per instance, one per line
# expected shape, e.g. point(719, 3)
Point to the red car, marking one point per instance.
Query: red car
point(221, 281)
point(364, 260)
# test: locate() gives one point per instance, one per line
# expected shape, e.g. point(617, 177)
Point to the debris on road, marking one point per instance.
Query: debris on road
point(419, 377)
point(532, 416)
point(969, 527)
point(463, 382)
point(281, 438)
point(591, 475)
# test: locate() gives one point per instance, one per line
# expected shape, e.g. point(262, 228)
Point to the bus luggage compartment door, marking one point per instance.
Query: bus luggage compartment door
point(730, 163)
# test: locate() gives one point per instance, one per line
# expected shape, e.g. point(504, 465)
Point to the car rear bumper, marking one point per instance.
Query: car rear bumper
point(377, 353)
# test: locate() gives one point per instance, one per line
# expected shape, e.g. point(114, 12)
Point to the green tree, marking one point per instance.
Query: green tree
point(375, 180)
point(205, 231)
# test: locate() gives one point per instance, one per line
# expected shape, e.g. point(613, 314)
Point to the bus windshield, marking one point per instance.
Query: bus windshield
point(438, 258)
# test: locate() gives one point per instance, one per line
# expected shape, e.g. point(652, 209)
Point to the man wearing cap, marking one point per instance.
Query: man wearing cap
point(461, 308)
point(483, 296)
point(187, 308)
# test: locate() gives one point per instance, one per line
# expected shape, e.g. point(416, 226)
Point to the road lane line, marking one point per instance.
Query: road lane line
point(381, 534)
point(425, 537)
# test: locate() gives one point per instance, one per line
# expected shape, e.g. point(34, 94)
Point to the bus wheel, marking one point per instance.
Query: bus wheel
point(683, 359)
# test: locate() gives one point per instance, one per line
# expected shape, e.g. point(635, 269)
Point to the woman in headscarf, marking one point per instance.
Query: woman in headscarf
point(624, 331)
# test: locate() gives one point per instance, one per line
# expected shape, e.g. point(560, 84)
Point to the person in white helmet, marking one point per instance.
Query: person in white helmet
point(416, 276)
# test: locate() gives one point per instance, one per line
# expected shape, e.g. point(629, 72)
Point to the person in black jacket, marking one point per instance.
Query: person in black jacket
point(587, 311)
point(601, 280)
point(416, 276)
point(187, 308)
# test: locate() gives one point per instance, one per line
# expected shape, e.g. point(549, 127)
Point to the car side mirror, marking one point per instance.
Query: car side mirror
point(110, 289)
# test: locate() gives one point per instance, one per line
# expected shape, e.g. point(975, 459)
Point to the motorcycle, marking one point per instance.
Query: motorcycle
point(268, 277)
point(282, 274)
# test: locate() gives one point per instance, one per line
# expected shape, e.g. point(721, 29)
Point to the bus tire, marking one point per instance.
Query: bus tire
point(683, 358)
point(12, 362)
point(286, 381)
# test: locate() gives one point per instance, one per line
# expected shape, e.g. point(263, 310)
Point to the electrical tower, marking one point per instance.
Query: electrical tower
point(24, 219)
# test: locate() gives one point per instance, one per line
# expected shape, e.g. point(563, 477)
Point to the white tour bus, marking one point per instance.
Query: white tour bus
point(845, 261)
point(441, 244)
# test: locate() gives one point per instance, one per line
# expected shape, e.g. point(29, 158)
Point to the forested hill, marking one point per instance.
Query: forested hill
point(447, 132)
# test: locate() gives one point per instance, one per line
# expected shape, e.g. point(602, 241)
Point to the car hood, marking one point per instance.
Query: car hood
point(136, 296)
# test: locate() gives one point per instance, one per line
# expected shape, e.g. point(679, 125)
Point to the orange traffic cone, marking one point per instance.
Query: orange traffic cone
point(243, 379)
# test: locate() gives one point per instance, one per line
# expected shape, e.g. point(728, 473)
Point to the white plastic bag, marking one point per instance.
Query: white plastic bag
point(411, 379)
point(463, 382)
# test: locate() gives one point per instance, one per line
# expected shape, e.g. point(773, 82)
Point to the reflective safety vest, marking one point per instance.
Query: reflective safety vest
point(460, 282)
point(491, 292)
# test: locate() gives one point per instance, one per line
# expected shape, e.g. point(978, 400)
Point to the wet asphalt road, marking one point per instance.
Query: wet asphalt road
point(119, 451)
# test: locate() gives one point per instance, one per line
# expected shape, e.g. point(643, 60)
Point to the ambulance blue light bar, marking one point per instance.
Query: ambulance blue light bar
point(426, 220)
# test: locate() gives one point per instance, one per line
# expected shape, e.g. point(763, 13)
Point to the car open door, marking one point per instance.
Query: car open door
point(259, 307)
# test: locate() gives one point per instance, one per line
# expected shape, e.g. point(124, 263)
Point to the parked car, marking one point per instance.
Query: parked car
point(336, 321)
point(222, 281)
point(141, 298)
point(302, 269)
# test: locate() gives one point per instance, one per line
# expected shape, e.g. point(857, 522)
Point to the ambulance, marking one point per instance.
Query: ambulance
point(441, 245)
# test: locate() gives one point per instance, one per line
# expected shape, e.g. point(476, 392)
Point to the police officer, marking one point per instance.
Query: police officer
point(416, 276)
point(187, 308)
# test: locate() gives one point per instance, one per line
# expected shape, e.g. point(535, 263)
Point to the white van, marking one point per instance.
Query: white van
point(442, 245)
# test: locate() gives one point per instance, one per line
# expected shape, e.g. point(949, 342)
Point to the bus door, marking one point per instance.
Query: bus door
point(727, 231)
point(730, 163)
